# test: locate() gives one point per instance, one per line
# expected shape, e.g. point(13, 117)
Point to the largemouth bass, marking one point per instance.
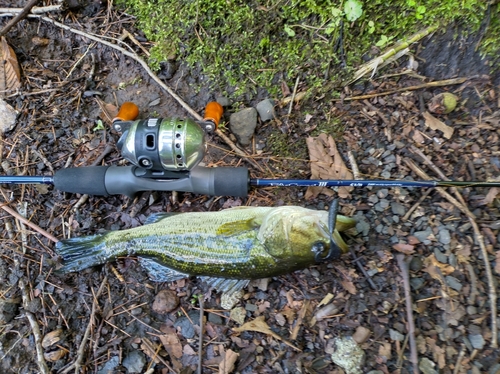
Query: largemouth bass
point(238, 244)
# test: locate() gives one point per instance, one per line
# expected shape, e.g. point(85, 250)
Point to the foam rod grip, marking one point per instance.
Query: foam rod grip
point(84, 180)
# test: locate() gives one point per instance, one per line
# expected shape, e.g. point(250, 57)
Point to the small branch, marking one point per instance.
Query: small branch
point(409, 311)
point(42, 364)
point(446, 82)
point(18, 17)
point(354, 165)
point(200, 340)
point(34, 10)
point(30, 224)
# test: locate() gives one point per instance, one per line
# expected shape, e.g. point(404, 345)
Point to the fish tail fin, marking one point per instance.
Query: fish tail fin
point(81, 253)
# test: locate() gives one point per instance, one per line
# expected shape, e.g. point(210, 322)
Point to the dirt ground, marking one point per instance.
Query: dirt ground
point(115, 309)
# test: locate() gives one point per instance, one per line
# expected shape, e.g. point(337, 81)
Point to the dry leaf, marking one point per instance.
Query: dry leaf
point(492, 194)
point(407, 249)
point(172, 344)
point(497, 262)
point(436, 124)
point(259, 325)
point(326, 163)
point(108, 111)
point(227, 365)
point(10, 75)
point(349, 286)
point(437, 269)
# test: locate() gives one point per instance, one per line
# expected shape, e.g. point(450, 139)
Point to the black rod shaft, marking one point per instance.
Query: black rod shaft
point(21, 179)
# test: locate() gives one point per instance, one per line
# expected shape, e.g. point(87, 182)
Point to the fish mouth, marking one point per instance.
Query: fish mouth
point(337, 244)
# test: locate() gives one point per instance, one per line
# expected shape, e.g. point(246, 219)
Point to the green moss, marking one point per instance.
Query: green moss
point(245, 45)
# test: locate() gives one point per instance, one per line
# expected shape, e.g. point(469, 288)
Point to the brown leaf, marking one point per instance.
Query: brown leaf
point(108, 111)
point(349, 286)
point(436, 124)
point(172, 344)
point(326, 163)
point(492, 194)
point(437, 269)
point(259, 325)
point(497, 262)
point(227, 365)
point(407, 249)
point(10, 75)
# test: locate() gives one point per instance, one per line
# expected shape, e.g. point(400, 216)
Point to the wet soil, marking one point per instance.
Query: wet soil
point(64, 85)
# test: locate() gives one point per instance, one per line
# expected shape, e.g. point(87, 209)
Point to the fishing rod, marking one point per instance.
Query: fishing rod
point(166, 152)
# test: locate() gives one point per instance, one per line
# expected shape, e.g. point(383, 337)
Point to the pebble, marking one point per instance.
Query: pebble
point(134, 362)
point(444, 236)
point(454, 283)
point(222, 100)
point(215, 319)
point(423, 236)
point(440, 256)
point(110, 366)
point(396, 335)
point(348, 355)
point(373, 199)
point(416, 283)
point(266, 110)
point(185, 325)
point(427, 366)
point(382, 205)
point(382, 194)
point(238, 314)
point(243, 124)
point(477, 341)
point(398, 209)
point(165, 301)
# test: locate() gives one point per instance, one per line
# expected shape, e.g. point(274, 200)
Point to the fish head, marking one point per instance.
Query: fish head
point(296, 234)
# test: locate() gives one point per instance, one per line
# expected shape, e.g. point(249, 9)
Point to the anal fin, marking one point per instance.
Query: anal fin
point(159, 272)
point(227, 286)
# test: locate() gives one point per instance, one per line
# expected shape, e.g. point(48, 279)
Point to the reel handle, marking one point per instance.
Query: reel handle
point(128, 112)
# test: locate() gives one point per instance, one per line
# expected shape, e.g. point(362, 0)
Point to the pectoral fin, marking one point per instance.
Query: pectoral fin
point(228, 286)
point(235, 227)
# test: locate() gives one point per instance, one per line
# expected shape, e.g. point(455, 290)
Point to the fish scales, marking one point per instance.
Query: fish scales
point(237, 243)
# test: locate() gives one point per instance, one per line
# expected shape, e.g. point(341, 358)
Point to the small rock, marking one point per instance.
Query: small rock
point(382, 194)
point(229, 300)
point(222, 100)
point(477, 341)
point(266, 110)
point(186, 327)
point(395, 335)
point(416, 283)
point(134, 362)
point(215, 319)
point(423, 236)
point(454, 283)
point(110, 365)
point(444, 236)
point(165, 301)
point(416, 263)
point(440, 256)
point(7, 117)
point(243, 124)
point(238, 314)
point(398, 209)
point(361, 335)
point(427, 366)
point(251, 307)
point(348, 355)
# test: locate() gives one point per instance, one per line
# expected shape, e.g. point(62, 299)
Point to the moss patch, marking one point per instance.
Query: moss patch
point(246, 45)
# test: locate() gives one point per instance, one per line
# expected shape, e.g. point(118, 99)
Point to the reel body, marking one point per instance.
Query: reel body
point(159, 144)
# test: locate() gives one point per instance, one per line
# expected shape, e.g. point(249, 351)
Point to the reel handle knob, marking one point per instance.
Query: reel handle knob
point(213, 112)
point(128, 112)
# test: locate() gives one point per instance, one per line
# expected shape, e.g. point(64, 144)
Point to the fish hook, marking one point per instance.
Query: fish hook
point(334, 252)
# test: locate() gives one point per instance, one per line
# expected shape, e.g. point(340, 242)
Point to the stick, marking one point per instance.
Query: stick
point(492, 293)
point(409, 311)
point(200, 341)
point(18, 17)
point(30, 224)
point(446, 82)
point(78, 362)
point(42, 364)
point(153, 76)
point(34, 10)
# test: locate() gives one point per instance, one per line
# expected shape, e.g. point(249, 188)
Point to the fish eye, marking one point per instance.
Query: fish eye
point(321, 251)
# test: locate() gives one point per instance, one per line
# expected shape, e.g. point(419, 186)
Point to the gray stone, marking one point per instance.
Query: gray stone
point(454, 283)
point(243, 124)
point(266, 110)
point(395, 335)
point(444, 236)
point(109, 366)
point(398, 209)
point(134, 362)
point(373, 199)
point(215, 319)
point(477, 341)
point(422, 236)
point(416, 283)
point(427, 366)
point(440, 256)
point(383, 193)
point(222, 100)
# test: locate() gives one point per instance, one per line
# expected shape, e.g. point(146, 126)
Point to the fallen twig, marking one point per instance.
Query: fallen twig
point(22, 14)
point(492, 294)
point(30, 224)
point(80, 353)
point(446, 82)
point(200, 340)
point(42, 364)
point(409, 311)
point(34, 10)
